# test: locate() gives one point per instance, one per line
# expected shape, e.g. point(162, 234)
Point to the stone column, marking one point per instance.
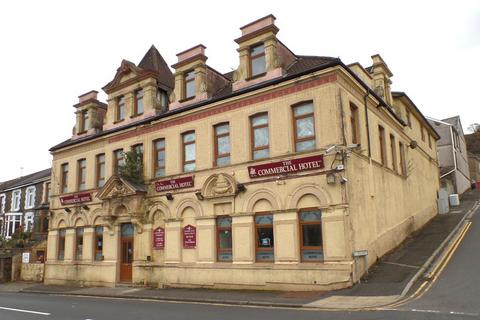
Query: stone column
point(88, 242)
point(129, 104)
point(111, 244)
point(52, 245)
point(271, 53)
point(243, 239)
point(334, 235)
point(285, 230)
point(242, 71)
point(178, 91)
point(173, 244)
point(69, 245)
point(206, 241)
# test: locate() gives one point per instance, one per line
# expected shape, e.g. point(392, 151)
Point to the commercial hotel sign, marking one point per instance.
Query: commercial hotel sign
point(173, 184)
point(287, 166)
point(76, 198)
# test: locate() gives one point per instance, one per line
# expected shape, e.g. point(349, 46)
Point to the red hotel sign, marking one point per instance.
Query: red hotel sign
point(172, 184)
point(287, 166)
point(158, 238)
point(76, 198)
point(189, 237)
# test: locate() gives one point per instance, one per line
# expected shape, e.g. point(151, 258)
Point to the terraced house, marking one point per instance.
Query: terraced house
point(292, 172)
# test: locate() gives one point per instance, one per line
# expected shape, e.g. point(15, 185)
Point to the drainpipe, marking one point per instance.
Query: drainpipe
point(366, 121)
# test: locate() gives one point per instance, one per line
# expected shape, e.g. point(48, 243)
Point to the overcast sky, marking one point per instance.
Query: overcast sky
point(53, 51)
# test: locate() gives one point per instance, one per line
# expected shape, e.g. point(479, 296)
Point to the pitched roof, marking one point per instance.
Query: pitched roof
point(154, 61)
point(25, 180)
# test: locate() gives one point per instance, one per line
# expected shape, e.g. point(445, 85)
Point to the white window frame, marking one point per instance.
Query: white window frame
point(16, 194)
point(3, 200)
point(29, 190)
point(28, 221)
point(11, 218)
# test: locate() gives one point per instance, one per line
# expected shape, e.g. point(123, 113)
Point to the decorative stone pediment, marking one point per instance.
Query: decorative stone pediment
point(219, 185)
point(117, 186)
point(126, 71)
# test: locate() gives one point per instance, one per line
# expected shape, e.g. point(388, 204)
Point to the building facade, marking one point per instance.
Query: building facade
point(24, 204)
point(292, 172)
point(452, 155)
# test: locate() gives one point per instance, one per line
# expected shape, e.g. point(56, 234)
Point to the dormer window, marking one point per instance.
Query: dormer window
point(120, 108)
point(257, 60)
point(162, 99)
point(84, 121)
point(189, 84)
point(138, 102)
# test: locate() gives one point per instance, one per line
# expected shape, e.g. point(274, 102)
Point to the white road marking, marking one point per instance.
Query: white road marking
point(26, 311)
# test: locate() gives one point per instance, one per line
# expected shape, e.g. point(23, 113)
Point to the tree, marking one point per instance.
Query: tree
point(474, 127)
point(132, 168)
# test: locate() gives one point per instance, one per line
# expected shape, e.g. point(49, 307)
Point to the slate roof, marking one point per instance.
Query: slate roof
point(25, 180)
point(154, 61)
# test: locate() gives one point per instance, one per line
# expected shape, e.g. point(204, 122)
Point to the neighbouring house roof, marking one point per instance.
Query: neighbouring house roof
point(25, 180)
point(473, 143)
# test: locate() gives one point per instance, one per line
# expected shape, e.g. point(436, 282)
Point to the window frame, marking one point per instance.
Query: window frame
point(16, 200)
point(83, 121)
point(355, 124)
point(117, 160)
point(296, 139)
point(156, 151)
point(80, 170)
point(252, 135)
point(252, 58)
point(300, 232)
point(31, 190)
point(97, 236)
point(61, 244)
point(120, 103)
point(98, 164)
point(256, 227)
point(64, 178)
point(216, 137)
point(393, 151)
point(382, 143)
point(186, 82)
point(217, 236)
point(136, 100)
point(184, 145)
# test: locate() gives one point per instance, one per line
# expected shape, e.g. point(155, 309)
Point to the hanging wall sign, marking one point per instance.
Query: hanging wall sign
point(173, 184)
point(159, 238)
point(76, 198)
point(189, 237)
point(287, 166)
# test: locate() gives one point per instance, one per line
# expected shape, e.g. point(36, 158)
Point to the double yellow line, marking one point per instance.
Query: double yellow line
point(435, 273)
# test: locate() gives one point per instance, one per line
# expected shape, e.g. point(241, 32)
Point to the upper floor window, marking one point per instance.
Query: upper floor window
point(260, 137)
point(381, 140)
point(82, 174)
point(257, 60)
point(47, 192)
point(354, 123)
point(304, 126)
point(120, 108)
point(100, 174)
point(64, 178)
point(159, 157)
point(162, 99)
point(138, 102)
point(84, 124)
point(16, 195)
point(2, 203)
point(393, 149)
point(222, 144)
point(189, 151)
point(189, 84)
point(422, 130)
point(30, 197)
point(117, 160)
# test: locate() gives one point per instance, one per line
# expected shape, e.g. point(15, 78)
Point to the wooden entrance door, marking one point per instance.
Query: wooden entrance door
point(126, 252)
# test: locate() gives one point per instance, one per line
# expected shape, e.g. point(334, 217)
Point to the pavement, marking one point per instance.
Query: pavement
point(388, 282)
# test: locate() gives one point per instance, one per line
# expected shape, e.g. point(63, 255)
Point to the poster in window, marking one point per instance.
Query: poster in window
point(189, 237)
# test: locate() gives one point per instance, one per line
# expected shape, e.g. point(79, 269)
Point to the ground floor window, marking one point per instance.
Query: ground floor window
point(12, 224)
point(264, 238)
point(98, 243)
point(224, 239)
point(311, 243)
point(78, 244)
point(61, 244)
point(28, 222)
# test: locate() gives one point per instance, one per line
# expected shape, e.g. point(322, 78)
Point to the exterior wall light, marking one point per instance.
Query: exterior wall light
point(199, 195)
point(169, 196)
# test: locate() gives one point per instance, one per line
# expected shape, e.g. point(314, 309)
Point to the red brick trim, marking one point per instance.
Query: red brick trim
point(225, 108)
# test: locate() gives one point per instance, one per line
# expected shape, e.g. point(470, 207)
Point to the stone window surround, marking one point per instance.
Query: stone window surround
point(3, 200)
point(15, 194)
point(27, 192)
